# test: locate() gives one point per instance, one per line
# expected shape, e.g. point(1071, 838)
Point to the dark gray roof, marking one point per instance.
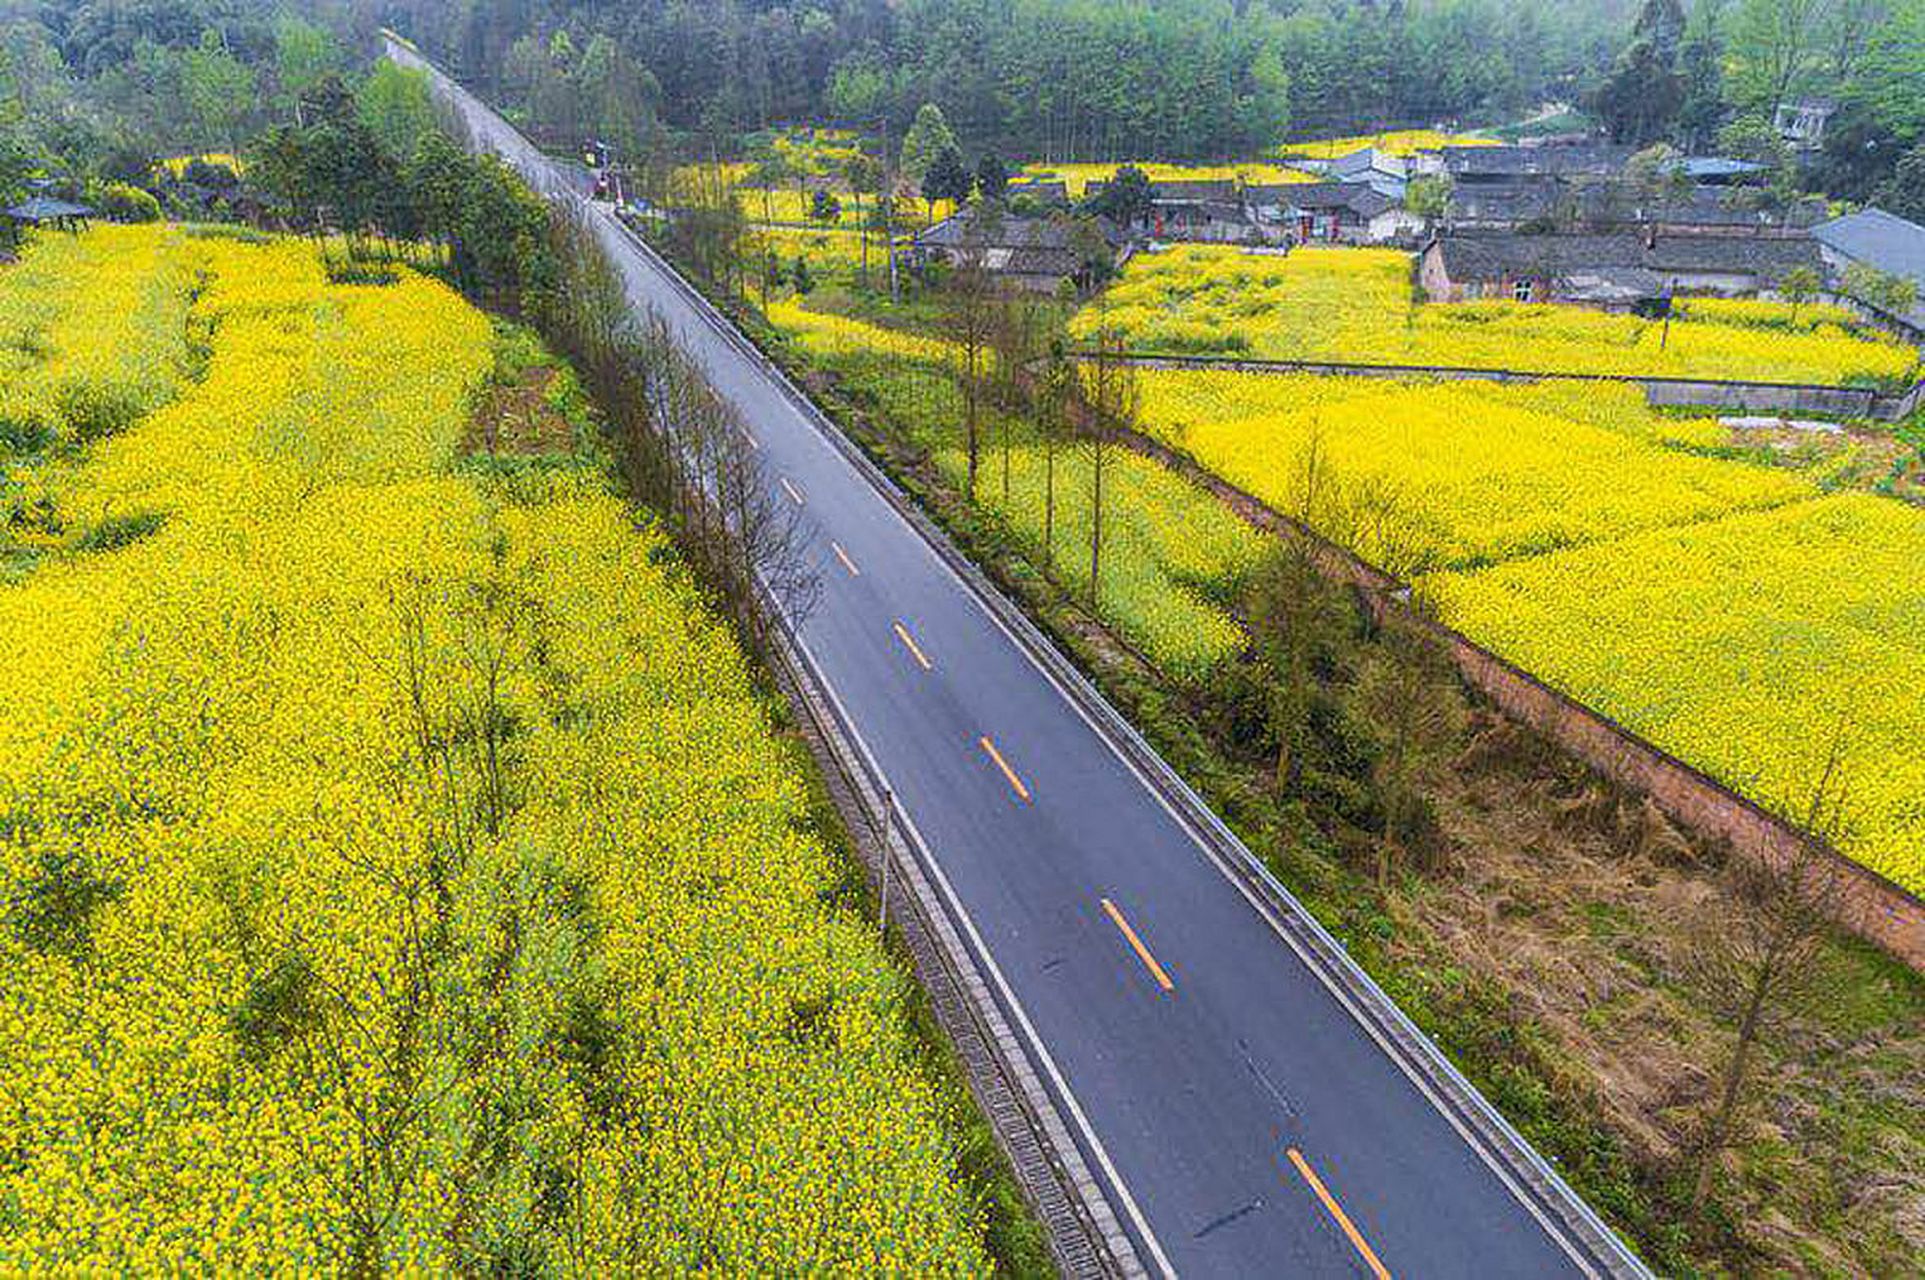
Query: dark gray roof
point(47, 209)
point(1367, 160)
point(1496, 163)
point(1359, 198)
point(1599, 202)
point(1878, 239)
point(1268, 193)
point(1883, 241)
point(1210, 189)
point(1506, 202)
point(1474, 255)
point(1011, 232)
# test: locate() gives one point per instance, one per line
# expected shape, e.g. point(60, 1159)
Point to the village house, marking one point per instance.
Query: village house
point(1544, 202)
point(1049, 193)
point(1802, 122)
point(1034, 255)
point(1616, 271)
point(1474, 165)
point(1336, 213)
point(1884, 242)
point(1384, 173)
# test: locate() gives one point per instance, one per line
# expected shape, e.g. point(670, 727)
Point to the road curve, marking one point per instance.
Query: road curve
point(1244, 1116)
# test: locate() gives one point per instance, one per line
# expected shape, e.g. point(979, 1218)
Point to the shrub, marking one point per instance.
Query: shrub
point(123, 202)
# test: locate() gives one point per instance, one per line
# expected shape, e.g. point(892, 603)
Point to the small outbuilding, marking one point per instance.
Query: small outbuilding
point(1884, 242)
point(49, 211)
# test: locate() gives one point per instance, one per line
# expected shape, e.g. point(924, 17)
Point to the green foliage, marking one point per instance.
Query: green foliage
point(123, 202)
point(947, 179)
point(394, 105)
point(53, 908)
point(927, 141)
point(1428, 196)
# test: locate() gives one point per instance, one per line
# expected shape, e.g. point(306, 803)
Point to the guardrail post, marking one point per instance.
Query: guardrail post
point(883, 833)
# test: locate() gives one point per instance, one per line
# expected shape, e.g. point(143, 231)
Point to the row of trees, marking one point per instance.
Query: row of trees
point(104, 89)
point(1717, 74)
point(1062, 79)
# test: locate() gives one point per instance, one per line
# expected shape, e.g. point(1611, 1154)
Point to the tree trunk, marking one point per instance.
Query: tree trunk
point(1049, 496)
point(1096, 521)
point(1718, 1133)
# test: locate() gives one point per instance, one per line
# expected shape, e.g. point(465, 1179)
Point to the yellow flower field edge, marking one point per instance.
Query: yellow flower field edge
point(1449, 476)
point(1172, 556)
point(1744, 645)
point(1358, 305)
point(400, 869)
point(1396, 142)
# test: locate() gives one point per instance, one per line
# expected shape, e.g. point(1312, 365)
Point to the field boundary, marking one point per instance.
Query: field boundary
point(1877, 909)
point(1537, 1185)
point(1825, 399)
point(1532, 1178)
point(1085, 1238)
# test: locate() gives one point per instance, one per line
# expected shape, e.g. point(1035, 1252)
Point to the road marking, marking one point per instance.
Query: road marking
point(1014, 781)
point(1336, 1211)
point(749, 436)
point(795, 495)
point(1142, 952)
point(902, 634)
point(843, 556)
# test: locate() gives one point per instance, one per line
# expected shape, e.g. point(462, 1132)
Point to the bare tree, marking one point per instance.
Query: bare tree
point(969, 320)
point(1054, 392)
point(1112, 400)
point(1012, 338)
point(1404, 698)
point(1758, 953)
point(1298, 619)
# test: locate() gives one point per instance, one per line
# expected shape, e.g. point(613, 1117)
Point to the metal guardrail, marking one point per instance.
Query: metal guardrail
point(1531, 1178)
point(1085, 1234)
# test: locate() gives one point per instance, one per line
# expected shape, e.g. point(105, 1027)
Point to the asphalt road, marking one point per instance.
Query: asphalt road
point(1244, 1121)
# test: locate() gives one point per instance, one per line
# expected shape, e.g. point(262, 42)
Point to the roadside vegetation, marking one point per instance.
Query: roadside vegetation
point(402, 867)
point(1719, 607)
point(1573, 951)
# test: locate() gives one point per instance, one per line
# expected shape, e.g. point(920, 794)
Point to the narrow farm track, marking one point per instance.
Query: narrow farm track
point(1248, 1102)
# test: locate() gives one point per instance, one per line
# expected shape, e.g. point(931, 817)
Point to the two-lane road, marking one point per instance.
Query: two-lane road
point(1243, 1117)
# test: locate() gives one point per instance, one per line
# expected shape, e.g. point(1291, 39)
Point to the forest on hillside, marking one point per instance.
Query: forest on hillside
point(100, 85)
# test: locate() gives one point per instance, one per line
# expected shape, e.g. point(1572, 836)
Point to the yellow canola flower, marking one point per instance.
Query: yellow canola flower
point(1450, 475)
point(1341, 304)
point(1745, 645)
point(400, 874)
point(1171, 555)
point(1396, 142)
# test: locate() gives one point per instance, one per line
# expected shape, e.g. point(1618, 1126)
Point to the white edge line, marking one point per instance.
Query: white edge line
point(1471, 1139)
point(1263, 909)
point(934, 866)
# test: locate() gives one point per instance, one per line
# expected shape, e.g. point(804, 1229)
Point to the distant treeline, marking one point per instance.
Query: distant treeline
point(1069, 79)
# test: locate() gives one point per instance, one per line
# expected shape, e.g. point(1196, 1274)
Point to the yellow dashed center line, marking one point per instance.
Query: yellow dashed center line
point(1142, 952)
point(1015, 782)
point(1335, 1210)
point(902, 634)
point(847, 563)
